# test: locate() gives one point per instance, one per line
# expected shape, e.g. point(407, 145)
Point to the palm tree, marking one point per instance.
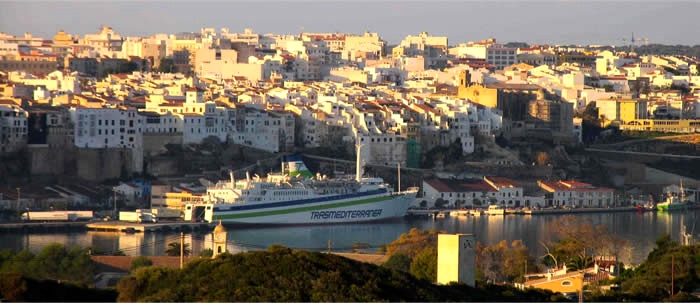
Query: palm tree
point(579, 263)
point(174, 249)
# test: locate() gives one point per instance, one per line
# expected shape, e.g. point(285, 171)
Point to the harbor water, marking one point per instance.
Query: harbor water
point(639, 230)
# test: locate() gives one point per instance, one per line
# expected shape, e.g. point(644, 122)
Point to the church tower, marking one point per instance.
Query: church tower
point(219, 240)
point(465, 79)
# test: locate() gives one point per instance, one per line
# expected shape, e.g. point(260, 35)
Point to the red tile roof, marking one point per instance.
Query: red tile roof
point(445, 185)
point(502, 182)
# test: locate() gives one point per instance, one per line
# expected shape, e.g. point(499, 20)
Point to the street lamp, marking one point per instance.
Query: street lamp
point(114, 214)
point(19, 197)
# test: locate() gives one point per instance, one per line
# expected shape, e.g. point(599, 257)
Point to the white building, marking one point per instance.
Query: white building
point(110, 128)
point(383, 149)
point(13, 128)
point(576, 194)
point(474, 193)
point(269, 131)
point(199, 126)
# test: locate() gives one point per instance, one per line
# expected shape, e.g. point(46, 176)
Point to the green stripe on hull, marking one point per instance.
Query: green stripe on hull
point(301, 209)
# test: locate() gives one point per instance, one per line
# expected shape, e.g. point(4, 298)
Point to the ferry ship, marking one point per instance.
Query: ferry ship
point(295, 196)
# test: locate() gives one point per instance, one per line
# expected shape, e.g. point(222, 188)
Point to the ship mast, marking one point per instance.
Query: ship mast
point(358, 164)
point(398, 190)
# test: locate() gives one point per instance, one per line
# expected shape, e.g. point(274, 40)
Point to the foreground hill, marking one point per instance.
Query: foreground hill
point(282, 274)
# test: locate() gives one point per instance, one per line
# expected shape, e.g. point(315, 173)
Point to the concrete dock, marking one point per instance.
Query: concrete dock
point(147, 227)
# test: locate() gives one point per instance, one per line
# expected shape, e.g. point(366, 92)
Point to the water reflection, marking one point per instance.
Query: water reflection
point(639, 230)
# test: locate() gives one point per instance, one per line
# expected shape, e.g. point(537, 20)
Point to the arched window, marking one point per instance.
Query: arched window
point(219, 251)
point(566, 283)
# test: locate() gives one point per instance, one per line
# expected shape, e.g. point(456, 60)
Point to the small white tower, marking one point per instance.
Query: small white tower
point(219, 240)
point(456, 259)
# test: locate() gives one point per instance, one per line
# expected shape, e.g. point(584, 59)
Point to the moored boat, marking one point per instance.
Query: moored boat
point(674, 203)
point(495, 210)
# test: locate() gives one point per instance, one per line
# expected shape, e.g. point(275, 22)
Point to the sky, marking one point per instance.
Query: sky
point(534, 22)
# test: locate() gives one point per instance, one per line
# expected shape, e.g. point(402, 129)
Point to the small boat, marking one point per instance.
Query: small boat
point(674, 203)
point(495, 210)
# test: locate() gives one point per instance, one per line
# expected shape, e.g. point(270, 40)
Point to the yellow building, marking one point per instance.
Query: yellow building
point(476, 93)
point(622, 111)
point(178, 200)
point(61, 38)
point(670, 126)
point(563, 283)
point(456, 259)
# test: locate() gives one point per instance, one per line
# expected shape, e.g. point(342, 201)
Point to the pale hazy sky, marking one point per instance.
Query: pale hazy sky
point(554, 22)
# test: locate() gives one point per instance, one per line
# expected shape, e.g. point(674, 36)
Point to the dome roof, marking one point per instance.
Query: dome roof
point(219, 228)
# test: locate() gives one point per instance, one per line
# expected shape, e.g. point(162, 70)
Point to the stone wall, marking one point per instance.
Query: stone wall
point(98, 165)
point(164, 166)
point(154, 143)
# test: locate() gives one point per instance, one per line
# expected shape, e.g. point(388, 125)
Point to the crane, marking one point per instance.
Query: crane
point(633, 40)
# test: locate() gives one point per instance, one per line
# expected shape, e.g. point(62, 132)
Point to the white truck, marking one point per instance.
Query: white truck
point(167, 213)
point(58, 215)
point(138, 216)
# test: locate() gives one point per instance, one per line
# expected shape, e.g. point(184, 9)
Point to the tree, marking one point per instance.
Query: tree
point(206, 253)
point(424, 264)
point(166, 65)
point(140, 261)
point(174, 249)
point(399, 262)
point(301, 276)
point(609, 87)
point(423, 203)
point(580, 238)
point(413, 242)
point(440, 203)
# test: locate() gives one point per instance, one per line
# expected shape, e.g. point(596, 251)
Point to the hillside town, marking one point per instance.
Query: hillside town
point(77, 112)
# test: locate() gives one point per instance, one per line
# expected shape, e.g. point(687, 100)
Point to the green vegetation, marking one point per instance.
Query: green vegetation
point(444, 155)
point(651, 280)
point(206, 253)
point(141, 261)
point(282, 274)
point(166, 66)
point(55, 274)
point(54, 262)
point(174, 249)
point(503, 262)
point(16, 287)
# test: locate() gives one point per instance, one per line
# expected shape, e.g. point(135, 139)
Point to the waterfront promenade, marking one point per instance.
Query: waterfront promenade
point(542, 211)
point(105, 226)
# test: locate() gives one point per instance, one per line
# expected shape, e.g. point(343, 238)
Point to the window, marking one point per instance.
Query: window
point(566, 283)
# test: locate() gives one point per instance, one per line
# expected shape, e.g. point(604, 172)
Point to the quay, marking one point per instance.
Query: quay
point(147, 227)
point(547, 211)
point(41, 226)
point(439, 213)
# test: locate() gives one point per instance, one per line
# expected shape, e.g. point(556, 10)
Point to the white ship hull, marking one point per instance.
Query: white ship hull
point(321, 211)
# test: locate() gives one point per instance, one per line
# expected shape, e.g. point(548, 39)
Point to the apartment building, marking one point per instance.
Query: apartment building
point(106, 42)
point(474, 192)
point(383, 149)
point(13, 128)
point(199, 126)
point(107, 127)
point(56, 81)
point(270, 131)
point(367, 46)
point(576, 194)
point(33, 62)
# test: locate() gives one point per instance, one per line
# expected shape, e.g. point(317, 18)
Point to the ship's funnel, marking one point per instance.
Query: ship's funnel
point(294, 166)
